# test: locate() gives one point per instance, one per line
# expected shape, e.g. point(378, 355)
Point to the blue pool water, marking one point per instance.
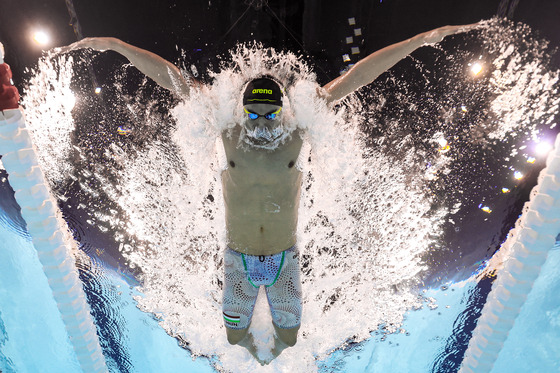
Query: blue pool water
point(32, 333)
point(433, 338)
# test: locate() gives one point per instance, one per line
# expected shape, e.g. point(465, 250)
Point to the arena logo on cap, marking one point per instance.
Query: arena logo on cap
point(260, 90)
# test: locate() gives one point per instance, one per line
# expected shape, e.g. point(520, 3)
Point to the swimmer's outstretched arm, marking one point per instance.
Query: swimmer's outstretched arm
point(367, 70)
point(161, 71)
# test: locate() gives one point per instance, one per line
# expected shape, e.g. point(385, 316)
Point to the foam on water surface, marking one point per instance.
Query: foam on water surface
point(371, 203)
point(342, 243)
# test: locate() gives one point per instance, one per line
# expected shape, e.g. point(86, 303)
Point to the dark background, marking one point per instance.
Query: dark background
point(204, 29)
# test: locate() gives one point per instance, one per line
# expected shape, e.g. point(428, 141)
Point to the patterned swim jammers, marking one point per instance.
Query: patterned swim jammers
point(245, 274)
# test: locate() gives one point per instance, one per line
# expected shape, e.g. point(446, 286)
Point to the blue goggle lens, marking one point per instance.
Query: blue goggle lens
point(269, 116)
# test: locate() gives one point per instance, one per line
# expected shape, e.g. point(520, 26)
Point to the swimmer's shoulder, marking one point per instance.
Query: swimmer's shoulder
point(231, 134)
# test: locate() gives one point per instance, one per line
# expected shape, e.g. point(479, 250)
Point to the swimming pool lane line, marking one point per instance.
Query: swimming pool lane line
point(535, 235)
point(51, 238)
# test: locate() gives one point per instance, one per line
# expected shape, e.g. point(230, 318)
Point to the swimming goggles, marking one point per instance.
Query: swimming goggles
point(269, 116)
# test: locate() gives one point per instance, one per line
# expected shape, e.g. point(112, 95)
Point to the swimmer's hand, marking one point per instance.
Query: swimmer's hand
point(100, 44)
point(438, 34)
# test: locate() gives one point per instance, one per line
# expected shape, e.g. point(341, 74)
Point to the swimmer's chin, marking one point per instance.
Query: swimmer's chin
point(263, 143)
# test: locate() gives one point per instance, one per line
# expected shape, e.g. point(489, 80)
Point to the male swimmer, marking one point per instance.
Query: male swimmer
point(262, 186)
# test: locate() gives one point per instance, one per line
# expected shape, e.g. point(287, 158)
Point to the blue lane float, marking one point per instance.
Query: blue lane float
point(535, 235)
point(51, 238)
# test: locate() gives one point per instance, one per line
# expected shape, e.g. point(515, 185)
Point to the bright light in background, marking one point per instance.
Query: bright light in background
point(542, 148)
point(518, 175)
point(476, 68)
point(98, 90)
point(505, 190)
point(486, 209)
point(41, 37)
point(443, 145)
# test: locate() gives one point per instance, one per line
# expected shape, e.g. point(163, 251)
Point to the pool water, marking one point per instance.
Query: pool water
point(433, 338)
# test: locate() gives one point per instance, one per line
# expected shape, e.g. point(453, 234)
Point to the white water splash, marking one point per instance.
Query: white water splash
point(366, 216)
point(48, 104)
point(363, 223)
point(519, 79)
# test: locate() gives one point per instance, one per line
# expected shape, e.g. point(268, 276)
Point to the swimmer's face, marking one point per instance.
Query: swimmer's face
point(263, 122)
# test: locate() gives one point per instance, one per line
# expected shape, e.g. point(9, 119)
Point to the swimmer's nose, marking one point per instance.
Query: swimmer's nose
point(262, 123)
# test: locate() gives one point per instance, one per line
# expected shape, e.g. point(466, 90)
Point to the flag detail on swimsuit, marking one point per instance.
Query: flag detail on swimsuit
point(231, 319)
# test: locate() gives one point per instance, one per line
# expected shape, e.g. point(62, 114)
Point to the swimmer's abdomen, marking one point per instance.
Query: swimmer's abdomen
point(261, 192)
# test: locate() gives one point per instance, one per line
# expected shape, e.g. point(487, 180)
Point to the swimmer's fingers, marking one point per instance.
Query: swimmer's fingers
point(437, 35)
point(472, 26)
point(97, 44)
point(60, 50)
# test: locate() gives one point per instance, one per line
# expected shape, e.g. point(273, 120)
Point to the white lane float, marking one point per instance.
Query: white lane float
point(49, 232)
point(535, 235)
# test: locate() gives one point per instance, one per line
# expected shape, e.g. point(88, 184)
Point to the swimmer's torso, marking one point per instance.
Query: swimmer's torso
point(261, 193)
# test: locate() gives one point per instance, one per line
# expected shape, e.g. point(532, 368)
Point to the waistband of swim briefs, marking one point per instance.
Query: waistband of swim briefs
point(291, 249)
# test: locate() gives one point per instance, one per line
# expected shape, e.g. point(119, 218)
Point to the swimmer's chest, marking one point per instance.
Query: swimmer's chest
point(246, 162)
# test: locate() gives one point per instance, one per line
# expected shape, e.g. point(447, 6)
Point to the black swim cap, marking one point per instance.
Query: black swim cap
point(262, 91)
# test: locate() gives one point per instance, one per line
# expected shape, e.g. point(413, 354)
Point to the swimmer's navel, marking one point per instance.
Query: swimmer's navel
point(232, 163)
point(291, 164)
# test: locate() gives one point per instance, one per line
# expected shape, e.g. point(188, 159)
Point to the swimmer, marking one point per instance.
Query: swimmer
point(262, 186)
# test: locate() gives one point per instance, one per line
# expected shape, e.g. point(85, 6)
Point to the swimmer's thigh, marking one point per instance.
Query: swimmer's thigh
point(284, 296)
point(239, 295)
